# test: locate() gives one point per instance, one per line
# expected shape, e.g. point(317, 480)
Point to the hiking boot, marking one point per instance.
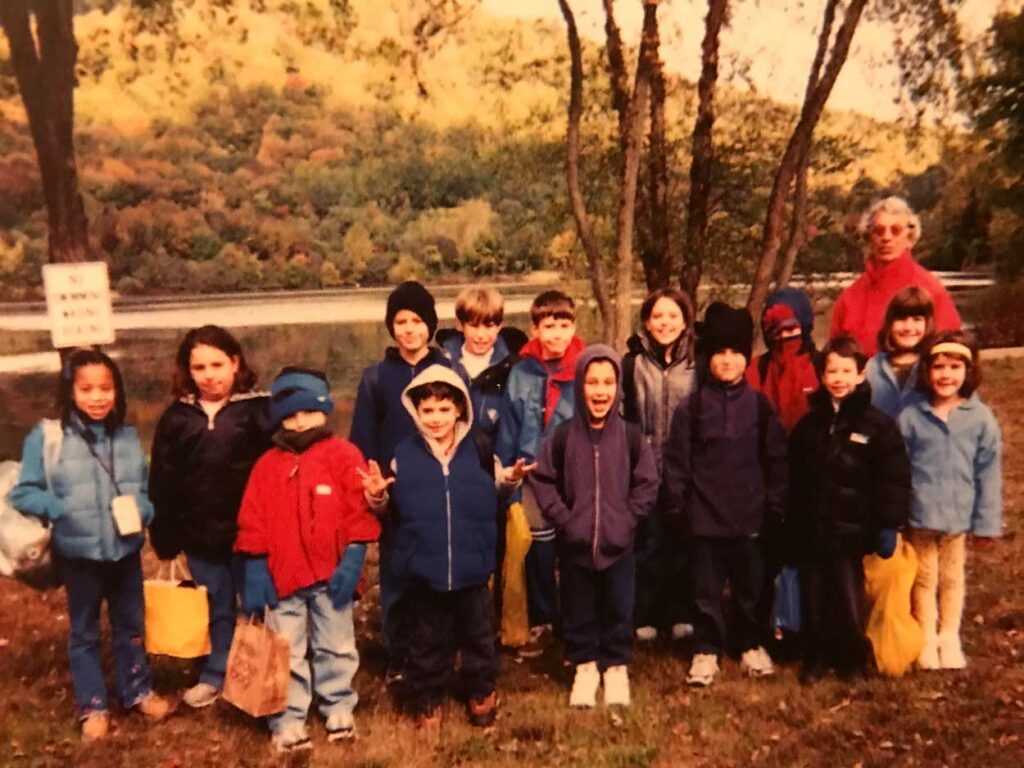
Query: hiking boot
point(616, 686)
point(647, 633)
point(703, 670)
point(584, 686)
point(757, 663)
point(483, 712)
point(155, 707)
point(291, 740)
point(811, 672)
point(929, 658)
point(201, 695)
point(540, 639)
point(341, 727)
point(951, 654)
point(682, 631)
point(95, 726)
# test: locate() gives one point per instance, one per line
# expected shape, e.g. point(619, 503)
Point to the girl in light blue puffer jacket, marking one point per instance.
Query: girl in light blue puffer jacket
point(955, 449)
point(92, 490)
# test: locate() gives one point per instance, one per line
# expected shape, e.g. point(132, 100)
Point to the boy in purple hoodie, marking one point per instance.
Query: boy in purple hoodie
point(594, 479)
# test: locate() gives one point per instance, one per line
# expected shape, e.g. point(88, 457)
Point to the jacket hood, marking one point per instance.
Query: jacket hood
point(799, 310)
point(448, 376)
point(589, 355)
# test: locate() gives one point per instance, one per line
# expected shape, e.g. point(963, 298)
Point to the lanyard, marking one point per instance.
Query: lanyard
point(109, 469)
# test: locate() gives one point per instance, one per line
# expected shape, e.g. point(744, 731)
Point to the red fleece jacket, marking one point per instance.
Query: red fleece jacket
point(789, 379)
point(302, 509)
point(860, 309)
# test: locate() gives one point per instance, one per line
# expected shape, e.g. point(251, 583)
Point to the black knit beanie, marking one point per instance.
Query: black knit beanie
point(414, 297)
point(726, 327)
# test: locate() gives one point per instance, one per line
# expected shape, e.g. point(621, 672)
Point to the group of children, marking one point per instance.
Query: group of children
point(650, 482)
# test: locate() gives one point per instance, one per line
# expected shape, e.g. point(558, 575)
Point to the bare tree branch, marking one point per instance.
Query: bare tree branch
point(618, 75)
point(659, 258)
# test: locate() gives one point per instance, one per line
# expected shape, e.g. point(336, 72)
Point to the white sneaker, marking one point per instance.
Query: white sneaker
point(616, 686)
point(646, 634)
point(341, 727)
point(757, 663)
point(951, 654)
point(291, 740)
point(681, 631)
point(200, 695)
point(585, 685)
point(703, 670)
point(929, 658)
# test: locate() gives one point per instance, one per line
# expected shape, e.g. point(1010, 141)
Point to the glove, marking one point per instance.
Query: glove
point(345, 579)
point(258, 590)
point(886, 544)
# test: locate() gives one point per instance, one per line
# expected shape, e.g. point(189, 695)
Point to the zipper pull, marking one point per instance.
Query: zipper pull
point(295, 471)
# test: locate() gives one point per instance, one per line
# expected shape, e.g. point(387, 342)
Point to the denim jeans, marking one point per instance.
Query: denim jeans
point(221, 595)
point(88, 583)
point(597, 611)
point(316, 629)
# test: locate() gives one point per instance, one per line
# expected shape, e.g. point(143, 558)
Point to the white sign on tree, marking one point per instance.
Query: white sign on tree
point(79, 305)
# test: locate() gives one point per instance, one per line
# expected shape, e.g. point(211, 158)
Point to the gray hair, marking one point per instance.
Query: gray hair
point(894, 205)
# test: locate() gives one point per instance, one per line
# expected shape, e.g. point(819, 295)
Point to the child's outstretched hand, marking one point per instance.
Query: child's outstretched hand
point(518, 471)
point(374, 482)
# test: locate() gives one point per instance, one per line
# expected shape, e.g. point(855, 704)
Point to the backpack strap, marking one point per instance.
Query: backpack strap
point(558, 442)
point(764, 413)
point(483, 451)
point(635, 438)
point(762, 367)
point(694, 418)
point(53, 438)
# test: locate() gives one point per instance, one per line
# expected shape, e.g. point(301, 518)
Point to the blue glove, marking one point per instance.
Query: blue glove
point(258, 590)
point(886, 544)
point(345, 579)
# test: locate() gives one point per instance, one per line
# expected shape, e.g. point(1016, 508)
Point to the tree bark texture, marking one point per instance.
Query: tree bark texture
point(810, 113)
point(588, 242)
point(45, 72)
point(659, 258)
point(618, 75)
point(703, 153)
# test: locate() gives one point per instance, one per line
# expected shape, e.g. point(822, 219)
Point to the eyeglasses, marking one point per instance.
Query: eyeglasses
point(895, 230)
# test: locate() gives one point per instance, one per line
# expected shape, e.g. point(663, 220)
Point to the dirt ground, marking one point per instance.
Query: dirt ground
point(969, 718)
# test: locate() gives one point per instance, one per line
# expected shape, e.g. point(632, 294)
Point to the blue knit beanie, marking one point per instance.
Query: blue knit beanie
point(299, 389)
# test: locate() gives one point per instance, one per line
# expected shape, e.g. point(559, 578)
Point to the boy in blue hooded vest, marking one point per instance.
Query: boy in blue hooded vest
point(443, 516)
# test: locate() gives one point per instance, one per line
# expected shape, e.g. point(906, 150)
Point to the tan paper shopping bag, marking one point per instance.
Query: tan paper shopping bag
point(257, 675)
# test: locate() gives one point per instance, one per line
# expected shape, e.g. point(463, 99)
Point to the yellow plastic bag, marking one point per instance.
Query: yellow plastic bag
point(177, 617)
point(895, 635)
point(515, 623)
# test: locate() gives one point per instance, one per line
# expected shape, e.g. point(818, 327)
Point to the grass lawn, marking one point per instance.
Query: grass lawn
point(969, 718)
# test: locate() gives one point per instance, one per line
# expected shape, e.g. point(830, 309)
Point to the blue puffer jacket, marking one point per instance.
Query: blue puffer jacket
point(79, 504)
point(956, 467)
point(445, 528)
point(886, 393)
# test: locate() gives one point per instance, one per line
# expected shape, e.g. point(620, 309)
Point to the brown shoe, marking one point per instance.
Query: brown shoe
point(540, 638)
point(155, 707)
point(483, 712)
point(95, 726)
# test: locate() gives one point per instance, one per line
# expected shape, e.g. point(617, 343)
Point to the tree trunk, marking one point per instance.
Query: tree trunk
point(618, 75)
point(703, 152)
point(810, 113)
point(659, 259)
point(798, 223)
point(45, 71)
point(572, 175)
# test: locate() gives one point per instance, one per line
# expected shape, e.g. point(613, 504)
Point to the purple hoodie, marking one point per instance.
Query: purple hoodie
point(595, 499)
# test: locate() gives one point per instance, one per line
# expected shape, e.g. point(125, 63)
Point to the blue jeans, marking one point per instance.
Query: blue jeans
point(221, 595)
point(88, 583)
point(315, 628)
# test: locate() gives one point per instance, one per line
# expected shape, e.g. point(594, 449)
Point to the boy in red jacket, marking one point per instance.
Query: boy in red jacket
point(303, 527)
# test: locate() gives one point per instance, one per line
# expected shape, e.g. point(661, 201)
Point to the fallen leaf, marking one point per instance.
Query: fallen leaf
point(979, 619)
point(887, 745)
point(841, 705)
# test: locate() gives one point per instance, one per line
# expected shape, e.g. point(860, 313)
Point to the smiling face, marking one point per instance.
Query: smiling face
point(480, 337)
point(438, 417)
point(94, 391)
point(600, 383)
point(946, 375)
point(890, 236)
point(906, 332)
point(213, 372)
point(840, 376)
point(411, 333)
point(554, 335)
point(302, 421)
point(666, 323)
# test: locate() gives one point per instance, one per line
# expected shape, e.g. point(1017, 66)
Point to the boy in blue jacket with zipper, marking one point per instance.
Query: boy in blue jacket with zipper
point(443, 515)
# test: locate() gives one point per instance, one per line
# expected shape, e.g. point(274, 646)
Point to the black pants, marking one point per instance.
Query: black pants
point(597, 611)
point(833, 612)
point(713, 562)
point(441, 624)
point(662, 575)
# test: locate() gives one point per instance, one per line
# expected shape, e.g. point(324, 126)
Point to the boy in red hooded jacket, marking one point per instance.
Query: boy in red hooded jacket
point(303, 527)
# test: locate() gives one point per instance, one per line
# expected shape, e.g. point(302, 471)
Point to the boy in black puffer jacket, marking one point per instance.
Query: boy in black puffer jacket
point(849, 493)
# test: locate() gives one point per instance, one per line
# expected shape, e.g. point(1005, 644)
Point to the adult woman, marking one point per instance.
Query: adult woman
point(890, 229)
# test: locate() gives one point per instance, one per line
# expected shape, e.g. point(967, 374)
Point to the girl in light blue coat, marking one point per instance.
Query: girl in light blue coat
point(955, 454)
point(87, 477)
point(893, 371)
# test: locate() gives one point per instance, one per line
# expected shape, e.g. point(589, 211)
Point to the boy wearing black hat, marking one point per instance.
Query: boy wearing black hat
point(380, 422)
point(303, 528)
point(726, 475)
